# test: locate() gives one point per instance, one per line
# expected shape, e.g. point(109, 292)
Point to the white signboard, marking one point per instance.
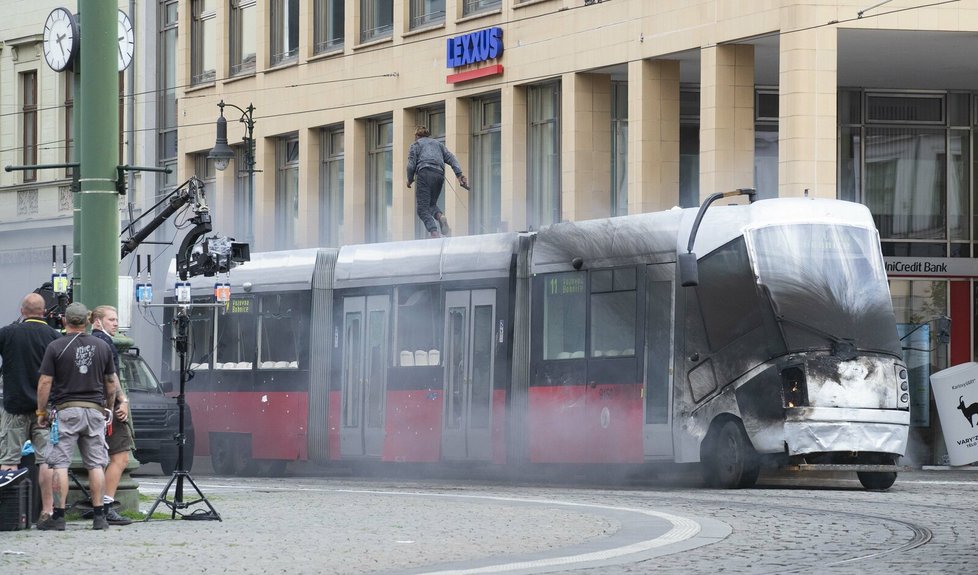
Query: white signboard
point(931, 267)
point(956, 396)
point(124, 309)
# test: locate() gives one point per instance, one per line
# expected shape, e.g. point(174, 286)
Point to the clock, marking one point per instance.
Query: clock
point(127, 42)
point(60, 39)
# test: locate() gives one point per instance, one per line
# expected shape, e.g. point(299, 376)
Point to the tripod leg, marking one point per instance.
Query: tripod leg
point(86, 496)
point(213, 512)
point(162, 499)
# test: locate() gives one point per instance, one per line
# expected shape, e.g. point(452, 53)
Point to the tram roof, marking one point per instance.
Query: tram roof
point(422, 261)
point(267, 271)
point(639, 238)
point(656, 237)
point(723, 223)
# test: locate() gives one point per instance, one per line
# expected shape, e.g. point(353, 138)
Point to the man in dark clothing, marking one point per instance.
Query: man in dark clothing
point(22, 346)
point(105, 322)
point(426, 162)
point(78, 375)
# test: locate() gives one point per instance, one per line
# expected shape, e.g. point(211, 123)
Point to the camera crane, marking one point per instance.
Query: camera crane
point(214, 255)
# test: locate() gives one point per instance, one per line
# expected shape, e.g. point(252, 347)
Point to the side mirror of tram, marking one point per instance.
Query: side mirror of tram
point(689, 273)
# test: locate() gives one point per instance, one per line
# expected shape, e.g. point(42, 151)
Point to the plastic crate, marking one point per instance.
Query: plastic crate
point(15, 506)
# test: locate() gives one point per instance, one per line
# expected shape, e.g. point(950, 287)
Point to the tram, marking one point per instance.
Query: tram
point(736, 337)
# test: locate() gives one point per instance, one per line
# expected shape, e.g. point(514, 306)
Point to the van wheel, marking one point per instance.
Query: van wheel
point(730, 460)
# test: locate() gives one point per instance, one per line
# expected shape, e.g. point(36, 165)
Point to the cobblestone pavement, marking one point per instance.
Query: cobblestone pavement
point(924, 524)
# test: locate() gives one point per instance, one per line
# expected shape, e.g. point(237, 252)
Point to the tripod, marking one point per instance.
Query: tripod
point(180, 474)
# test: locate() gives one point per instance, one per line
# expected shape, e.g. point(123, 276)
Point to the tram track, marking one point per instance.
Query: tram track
point(919, 534)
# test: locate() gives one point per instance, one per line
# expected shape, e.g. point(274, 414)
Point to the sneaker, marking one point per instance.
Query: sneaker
point(51, 524)
point(446, 230)
point(113, 517)
point(9, 476)
point(100, 523)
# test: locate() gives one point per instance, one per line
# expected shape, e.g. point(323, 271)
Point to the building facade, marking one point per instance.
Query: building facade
point(565, 110)
point(38, 126)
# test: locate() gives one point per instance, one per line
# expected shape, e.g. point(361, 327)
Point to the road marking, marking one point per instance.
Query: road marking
point(682, 528)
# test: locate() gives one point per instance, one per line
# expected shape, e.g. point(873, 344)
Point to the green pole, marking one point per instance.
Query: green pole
point(75, 196)
point(99, 152)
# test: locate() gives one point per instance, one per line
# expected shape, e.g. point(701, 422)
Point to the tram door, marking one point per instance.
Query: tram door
point(468, 361)
point(659, 335)
point(364, 390)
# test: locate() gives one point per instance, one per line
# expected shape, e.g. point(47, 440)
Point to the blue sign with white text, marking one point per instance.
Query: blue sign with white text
point(474, 47)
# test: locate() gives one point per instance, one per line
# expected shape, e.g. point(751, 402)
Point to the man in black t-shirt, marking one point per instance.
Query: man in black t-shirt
point(22, 346)
point(78, 375)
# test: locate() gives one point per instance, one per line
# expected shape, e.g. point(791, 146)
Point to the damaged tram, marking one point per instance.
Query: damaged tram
point(576, 344)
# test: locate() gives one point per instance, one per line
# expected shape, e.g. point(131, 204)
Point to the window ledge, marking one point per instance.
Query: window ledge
point(423, 29)
point(519, 5)
point(239, 77)
point(284, 64)
point(201, 86)
point(477, 15)
point(372, 43)
point(326, 55)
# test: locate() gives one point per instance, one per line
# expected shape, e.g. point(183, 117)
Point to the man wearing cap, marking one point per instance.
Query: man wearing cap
point(79, 377)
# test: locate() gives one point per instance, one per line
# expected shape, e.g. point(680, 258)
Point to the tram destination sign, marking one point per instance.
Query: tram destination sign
point(931, 267)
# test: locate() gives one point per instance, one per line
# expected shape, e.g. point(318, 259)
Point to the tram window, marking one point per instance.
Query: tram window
point(725, 277)
point(563, 316)
point(418, 321)
point(283, 329)
point(236, 336)
point(613, 313)
point(201, 334)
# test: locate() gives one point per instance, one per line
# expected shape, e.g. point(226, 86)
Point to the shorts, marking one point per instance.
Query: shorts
point(15, 430)
point(121, 438)
point(86, 428)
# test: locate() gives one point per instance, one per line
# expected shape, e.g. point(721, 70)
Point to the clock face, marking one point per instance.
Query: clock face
point(60, 39)
point(127, 42)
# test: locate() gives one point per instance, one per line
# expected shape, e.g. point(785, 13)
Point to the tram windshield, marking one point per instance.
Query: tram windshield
point(827, 283)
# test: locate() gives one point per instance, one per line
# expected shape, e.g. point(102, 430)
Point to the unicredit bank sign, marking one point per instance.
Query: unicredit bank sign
point(474, 55)
point(931, 267)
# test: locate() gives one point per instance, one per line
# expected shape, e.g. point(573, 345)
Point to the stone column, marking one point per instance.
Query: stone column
point(513, 179)
point(586, 146)
point(807, 118)
point(726, 118)
point(653, 135)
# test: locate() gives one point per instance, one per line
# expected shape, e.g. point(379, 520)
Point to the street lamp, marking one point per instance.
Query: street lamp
point(222, 154)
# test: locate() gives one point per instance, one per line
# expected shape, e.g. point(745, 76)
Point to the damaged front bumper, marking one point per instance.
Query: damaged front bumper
point(833, 429)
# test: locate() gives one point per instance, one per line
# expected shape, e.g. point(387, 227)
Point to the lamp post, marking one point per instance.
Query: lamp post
point(222, 154)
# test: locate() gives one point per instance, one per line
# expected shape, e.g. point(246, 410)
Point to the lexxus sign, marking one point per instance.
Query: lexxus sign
point(474, 55)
